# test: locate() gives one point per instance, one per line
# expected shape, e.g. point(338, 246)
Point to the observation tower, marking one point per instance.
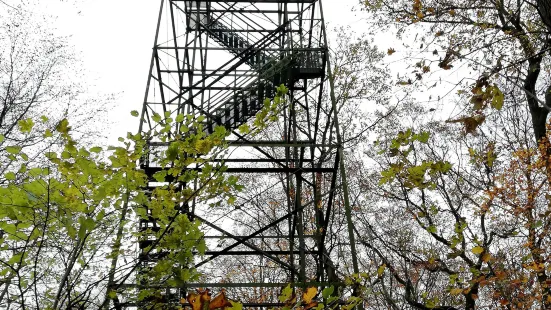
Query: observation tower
point(217, 62)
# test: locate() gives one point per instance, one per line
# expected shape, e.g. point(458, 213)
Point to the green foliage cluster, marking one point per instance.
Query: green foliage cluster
point(80, 205)
point(409, 172)
point(71, 206)
point(268, 114)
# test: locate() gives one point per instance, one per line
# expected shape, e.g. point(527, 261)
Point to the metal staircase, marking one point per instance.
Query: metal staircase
point(246, 103)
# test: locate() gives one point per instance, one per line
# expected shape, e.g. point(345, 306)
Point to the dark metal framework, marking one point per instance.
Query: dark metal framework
point(220, 60)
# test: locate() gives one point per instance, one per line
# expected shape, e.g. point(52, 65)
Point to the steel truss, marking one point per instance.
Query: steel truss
point(220, 60)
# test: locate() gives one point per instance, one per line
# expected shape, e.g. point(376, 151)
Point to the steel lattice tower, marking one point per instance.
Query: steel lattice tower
point(221, 59)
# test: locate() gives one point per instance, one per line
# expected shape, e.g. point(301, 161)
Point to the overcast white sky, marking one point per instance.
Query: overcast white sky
point(115, 37)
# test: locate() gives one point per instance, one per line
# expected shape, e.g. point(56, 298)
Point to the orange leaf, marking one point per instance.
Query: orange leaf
point(205, 295)
point(197, 300)
point(308, 294)
point(194, 300)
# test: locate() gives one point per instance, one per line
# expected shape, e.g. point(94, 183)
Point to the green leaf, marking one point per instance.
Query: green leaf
point(201, 247)
point(100, 215)
point(25, 125)
point(22, 168)
point(244, 128)
point(159, 176)
point(423, 137)
point(9, 228)
point(13, 149)
point(15, 258)
point(63, 126)
point(81, 232)
point(112, 294)
point(430, 304)
point(43, 119)
point(381, 270)
point(327, 292)
point(477, 250)
point(235, 305)
point(172, 152)
point(231, 200)
point(156, 117)
point(50, 155)
point(2, 138)
point(96, 149)
point(498, 98)
point(180, 118)
point(135, 114)
point(48, 133)
point(320, 306)
point(286, 293)
point(432, 229)
point(89, 224)
point(10, 176)
point(35, 172)
point(71, 231)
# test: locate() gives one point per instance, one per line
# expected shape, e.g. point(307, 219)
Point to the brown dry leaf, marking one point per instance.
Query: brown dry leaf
point(291, 301)
point(220, 301)
point(390, 51)
point(311, 305)
point(448, 58)
point(471, 123)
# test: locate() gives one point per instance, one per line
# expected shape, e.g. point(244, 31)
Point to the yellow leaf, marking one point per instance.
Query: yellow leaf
point(477, 250)
point(456, 291)
point(308, 294)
